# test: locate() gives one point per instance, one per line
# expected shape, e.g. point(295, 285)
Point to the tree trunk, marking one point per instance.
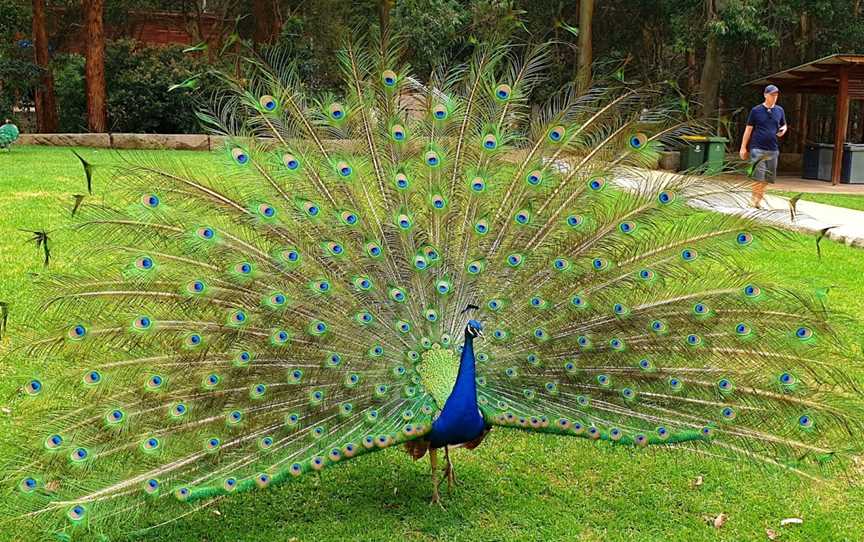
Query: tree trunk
point(267, 24)
point(709, 83)
point(384, 7)
point(692, 71)
point(586, 52)
point(46, 104)
point(94, 67)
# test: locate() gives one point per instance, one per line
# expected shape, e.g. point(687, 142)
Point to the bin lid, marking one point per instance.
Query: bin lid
point(696, 138)
point(854, 147)
point(717, 139)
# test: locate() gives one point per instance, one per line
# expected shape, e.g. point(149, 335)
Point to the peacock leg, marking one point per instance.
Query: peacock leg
point(433, 461)
point(448, 470)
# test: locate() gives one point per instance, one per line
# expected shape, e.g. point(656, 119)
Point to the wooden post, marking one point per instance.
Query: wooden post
point(841, 120)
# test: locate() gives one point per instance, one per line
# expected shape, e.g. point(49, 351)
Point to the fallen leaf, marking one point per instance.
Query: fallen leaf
point(5, 410)
point(217, 512)
point(720, 520)
point(772, 534)
point(791, 521)
point(698, 481)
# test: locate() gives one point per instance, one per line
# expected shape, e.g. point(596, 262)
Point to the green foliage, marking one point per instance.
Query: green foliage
point(69, 91)
point(431, 30)
point(138, 79)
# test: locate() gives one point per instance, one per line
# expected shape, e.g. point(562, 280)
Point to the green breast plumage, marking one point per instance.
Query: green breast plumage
point(438, 371)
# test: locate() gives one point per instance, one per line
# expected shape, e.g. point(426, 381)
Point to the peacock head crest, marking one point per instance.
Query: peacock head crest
point(474, 329)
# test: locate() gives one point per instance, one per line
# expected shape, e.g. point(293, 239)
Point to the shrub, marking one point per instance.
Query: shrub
point(137, 80)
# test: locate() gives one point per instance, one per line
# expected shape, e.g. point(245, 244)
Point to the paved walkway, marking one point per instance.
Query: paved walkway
point(786, 183)
point(847, 225)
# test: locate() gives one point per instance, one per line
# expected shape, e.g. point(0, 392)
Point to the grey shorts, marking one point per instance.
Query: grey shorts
point(765, 164)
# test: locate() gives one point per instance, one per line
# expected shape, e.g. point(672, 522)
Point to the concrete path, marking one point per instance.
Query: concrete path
point(847, 225)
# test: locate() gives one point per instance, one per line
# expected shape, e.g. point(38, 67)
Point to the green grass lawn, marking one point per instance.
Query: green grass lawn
point(850, 201)
point(516, 486)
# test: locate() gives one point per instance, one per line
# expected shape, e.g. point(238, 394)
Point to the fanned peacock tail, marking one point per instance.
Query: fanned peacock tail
point(305, 305)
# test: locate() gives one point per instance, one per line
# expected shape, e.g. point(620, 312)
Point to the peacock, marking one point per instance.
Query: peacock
point(409, 265)
point(8, 135)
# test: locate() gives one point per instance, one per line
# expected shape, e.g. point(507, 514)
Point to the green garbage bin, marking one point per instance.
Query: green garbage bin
point(716, 153)
point(692, 152)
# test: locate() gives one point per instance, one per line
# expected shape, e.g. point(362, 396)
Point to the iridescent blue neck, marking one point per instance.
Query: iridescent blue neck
point(460, 420)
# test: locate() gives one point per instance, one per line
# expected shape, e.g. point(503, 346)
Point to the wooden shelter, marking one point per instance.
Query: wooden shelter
point(839, 75)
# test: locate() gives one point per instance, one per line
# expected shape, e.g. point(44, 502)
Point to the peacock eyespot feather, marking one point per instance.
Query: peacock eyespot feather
point(115, 417)
point(28, 485)
point(481, 227)
point(645, 364)
point(432, 159)
point(490, 142)
point(33, 387)
point(728, 413)
point(53, 442)
point(596, 184)
point(600, 264)
point(178, 410)
point(262, 480)
point(240, 156)
point(804, 333)
point(151, 201)
point(689, 254)
point(675, 383)
point(205, 233)
point(268, 103)
point(77, 332)
point(627, 227)
point(574, 221)
point(374, 250)
point(637, 141)
point(295, 376)
point(144, 263)
point(76, 513)
point(640, 440)
point(344, 169)
point(290, 161)
point(534, 178)
point(92, 377)
point(212, 444)
point(401, 181)
point(440, 112)
point(665, 197)
point(193, 340)
point(662, 433)
point(437, 201)
point(234, 417)
point(646, 274)
point(151, 486)
point(242, 359)
point(257, 391)
point(805, 421)
point(79, 455)
point(502, 92)
point(336, 112)
point(397, 132)
point(604, 380)
point(743, 239)
point(389, 78)
point(296, 469)
point(752, 291)
point(522, 217)
point(348, 218)
point(230, 484)
point(266, 210)
point(556, 134)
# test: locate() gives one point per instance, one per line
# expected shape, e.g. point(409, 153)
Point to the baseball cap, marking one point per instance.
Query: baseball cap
point(771, 89)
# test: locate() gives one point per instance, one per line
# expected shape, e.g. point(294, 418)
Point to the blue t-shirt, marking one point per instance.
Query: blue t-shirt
point(766, 123)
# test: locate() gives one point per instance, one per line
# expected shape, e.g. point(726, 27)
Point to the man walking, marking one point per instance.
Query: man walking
point(765, 123)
